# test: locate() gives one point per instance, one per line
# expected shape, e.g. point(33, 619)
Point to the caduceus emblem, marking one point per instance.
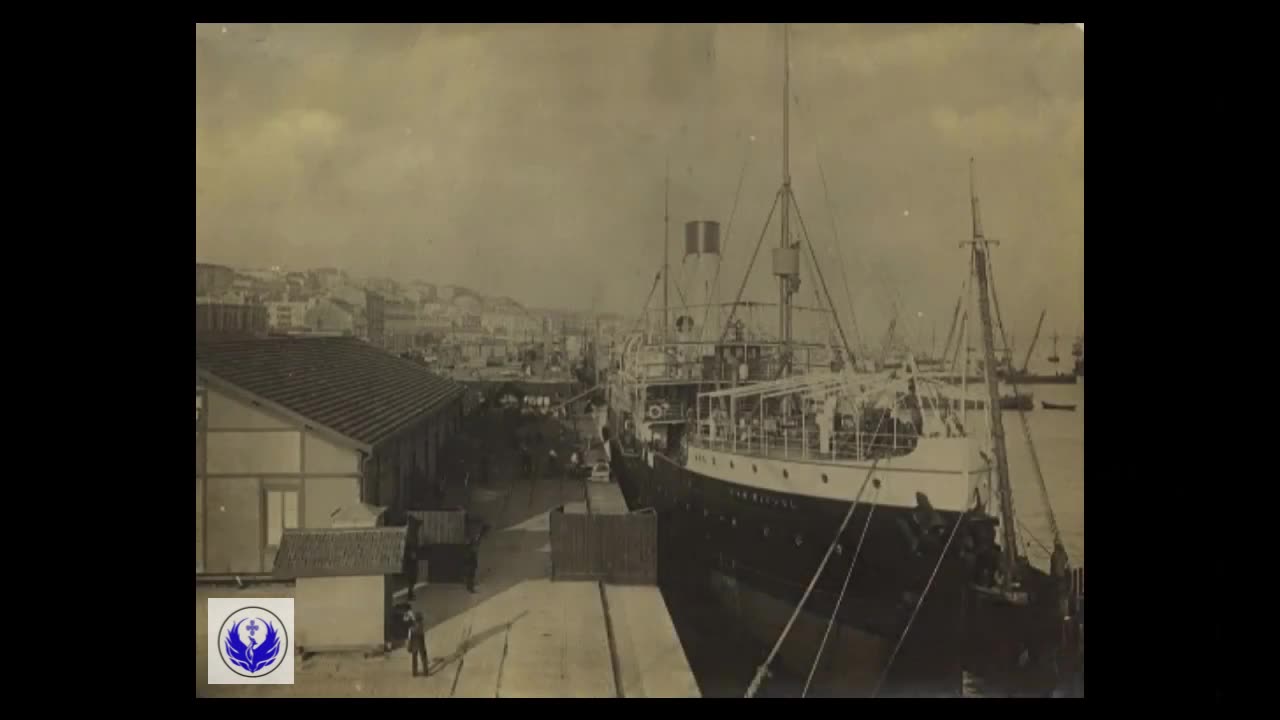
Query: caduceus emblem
point(261, 650)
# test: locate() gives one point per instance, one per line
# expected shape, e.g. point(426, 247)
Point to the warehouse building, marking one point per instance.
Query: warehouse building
point(292, 431)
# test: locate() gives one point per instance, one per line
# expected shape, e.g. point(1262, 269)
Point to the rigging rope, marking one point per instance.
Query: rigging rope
point(1028, 533)
point(645, 310)
point(724, 242)
point(822, 279)
point(724, 333)
point(839, 600)
point(817, 302)
point(826, 192)
point(916, 610)
point(764, 667)
point(1022, 416)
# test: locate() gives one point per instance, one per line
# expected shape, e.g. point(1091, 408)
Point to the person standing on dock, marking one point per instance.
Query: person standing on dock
point(417, 644)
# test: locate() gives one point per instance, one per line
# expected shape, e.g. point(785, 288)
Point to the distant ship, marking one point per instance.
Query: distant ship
point(768, 456)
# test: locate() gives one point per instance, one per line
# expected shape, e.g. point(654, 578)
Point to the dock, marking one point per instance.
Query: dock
point(521, 635)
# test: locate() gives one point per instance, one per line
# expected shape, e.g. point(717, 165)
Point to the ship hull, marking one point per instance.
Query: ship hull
point(758, 555)
point(754, 530)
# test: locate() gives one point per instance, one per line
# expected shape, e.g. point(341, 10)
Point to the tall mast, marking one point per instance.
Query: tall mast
point(1008, 528)
point(784, 283)
point(666, 245)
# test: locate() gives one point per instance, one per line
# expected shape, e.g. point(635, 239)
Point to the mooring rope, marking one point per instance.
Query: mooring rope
point(849, 575)
point(764, 667)
point(915, 611)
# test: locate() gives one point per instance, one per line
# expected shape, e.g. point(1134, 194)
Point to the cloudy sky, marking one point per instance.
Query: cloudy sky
point(529, 160)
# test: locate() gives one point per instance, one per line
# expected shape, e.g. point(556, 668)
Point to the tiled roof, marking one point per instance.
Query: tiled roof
point(341, 552)
point(342, 384)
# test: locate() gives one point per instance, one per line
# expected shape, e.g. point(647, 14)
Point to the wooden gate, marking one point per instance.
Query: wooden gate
point(617, 549)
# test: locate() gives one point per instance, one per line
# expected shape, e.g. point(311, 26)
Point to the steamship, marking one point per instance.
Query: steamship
point(849, 519)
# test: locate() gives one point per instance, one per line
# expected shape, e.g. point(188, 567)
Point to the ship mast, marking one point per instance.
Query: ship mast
point(666, 247)
point(981, 246)
point(784, 281)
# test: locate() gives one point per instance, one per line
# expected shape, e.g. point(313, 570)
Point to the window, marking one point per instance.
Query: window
point(282, 514)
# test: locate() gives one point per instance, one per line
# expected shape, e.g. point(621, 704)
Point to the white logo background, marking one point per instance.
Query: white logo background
point(223, 613)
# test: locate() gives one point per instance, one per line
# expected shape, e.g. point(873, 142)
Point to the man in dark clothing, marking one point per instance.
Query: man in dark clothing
point(418, 642)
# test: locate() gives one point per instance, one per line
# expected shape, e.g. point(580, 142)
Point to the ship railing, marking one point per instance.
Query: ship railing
point(800, 443)
point(751, 318)
point(803, 361)
point(667, 412)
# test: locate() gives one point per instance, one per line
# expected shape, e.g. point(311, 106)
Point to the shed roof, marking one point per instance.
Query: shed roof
point(339, 383)
point(341, 552)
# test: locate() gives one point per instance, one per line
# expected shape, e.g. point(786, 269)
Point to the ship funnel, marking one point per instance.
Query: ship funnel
point(702, 237)
point(700, 270)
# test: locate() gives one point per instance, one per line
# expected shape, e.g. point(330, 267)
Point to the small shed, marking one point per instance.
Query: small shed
point(441, 541)
point(344, 585)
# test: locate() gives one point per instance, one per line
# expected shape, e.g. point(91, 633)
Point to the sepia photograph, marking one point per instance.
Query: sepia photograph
point(640, 360)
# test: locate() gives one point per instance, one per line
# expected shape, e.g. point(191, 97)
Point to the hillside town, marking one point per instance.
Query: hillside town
point(451, 329)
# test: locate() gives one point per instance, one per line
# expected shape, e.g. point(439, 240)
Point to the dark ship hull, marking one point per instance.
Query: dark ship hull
point(757, 552)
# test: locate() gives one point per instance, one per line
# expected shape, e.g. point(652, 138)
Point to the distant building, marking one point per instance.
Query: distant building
point(375, 317)
point(263, 275)
point(220, 319)
point(325, 279)
point(286, 315)
point(290, 431)
point(350, 294)
point(427, 292)
point(331, 314)
point(213, 279)
point(385, 287)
